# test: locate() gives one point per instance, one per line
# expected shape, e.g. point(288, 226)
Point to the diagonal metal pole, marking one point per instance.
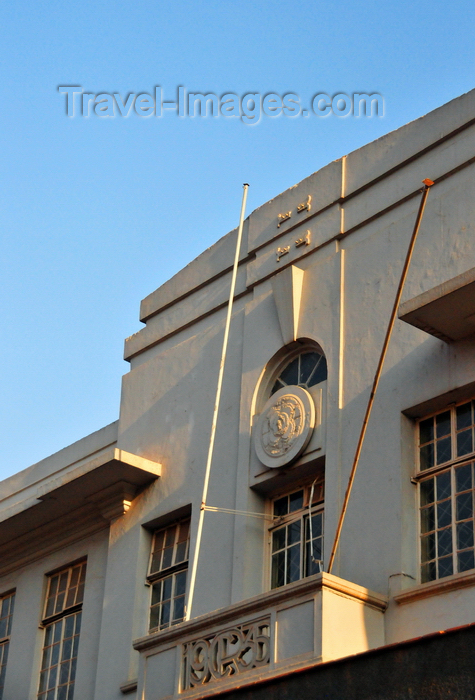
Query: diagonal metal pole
point(216, 409)
point(425, 192)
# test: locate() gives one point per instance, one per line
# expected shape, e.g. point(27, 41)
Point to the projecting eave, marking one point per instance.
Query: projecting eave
point(78, 499)
point(446, 311)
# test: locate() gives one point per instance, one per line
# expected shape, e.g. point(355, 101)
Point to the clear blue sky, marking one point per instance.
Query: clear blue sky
point(97, 213)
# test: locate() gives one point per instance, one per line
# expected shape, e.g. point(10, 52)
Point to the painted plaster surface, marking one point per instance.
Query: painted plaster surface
point(322, 277)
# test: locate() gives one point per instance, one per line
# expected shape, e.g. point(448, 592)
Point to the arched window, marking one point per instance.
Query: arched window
point(307, 369)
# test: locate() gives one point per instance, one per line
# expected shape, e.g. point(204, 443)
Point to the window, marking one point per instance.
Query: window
point(306, 370)
point(167, 574)
point(446, 487)
point(297, 534)
point(62, 623)
point(7, 603)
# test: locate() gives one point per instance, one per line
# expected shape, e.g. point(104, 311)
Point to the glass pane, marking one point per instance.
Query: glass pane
point(428, 572)
point(64, 672)
point(464, 415)
point(444, 450)
point(445, 567)
point(154, 617)
point(290, 375)
point(427, 519)
point(165, 616)
point(427, 492)
point(278, 569)
point(295, 501)
point(179, 609)
point(170, 536)
point(281, 506)
point(320, 372)
point(465, 535)
point(444, 542)
point(444, 514)
point(180, 553)
point(67, 648)
point(293, 533)
point(180, 583)
point(317, 522)
point(167, 588)
point(466, 560)
point(293, 563)
point(278, 385)
point(308, 362)
point(443, 486)
point(427, 456)
point(464, 506)
point(442, 424)
point(426, 431)
point(428, 547)
point(167, 557)
point(69, 628)
point(156, 592)
point(463, 478)
point(464, 442)
point(278, 539)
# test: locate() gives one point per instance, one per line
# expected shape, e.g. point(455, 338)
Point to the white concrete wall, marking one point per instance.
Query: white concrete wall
point(352, 267)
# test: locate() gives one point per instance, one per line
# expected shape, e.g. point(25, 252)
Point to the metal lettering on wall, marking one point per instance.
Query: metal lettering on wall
point(225, 653)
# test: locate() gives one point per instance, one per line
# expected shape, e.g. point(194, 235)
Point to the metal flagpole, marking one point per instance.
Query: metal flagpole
point(216, 408)
point(427, 185)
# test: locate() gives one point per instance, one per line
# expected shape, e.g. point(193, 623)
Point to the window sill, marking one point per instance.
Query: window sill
point(424, 590)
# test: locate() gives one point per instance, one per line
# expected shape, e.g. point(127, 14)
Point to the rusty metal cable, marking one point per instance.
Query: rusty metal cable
point(425, 192)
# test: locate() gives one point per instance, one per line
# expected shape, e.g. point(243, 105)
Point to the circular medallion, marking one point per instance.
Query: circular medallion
point(284, 426)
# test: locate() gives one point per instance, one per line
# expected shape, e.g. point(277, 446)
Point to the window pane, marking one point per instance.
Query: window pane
point(308, 362)
point(293, 563)
point(278, 570)
point(427, 456)
point(427, 519)
point(464, 415)
point(428, 547)
point(443, 486)
point(167, 588)
point(293, 532)
point(464, 506)
point(466, 560)
point(281, 507)
point(295, 501)
point(463, 478)
point(444, 450)
point(180, 583)
point(427, 492)
point(426, 431)
point(445, 567)
point(179, 609)
point(320, 372)
point(464, 442)
point(442, 424)
point(444, 542)
point(428, 572)
point(465, 535)
point(165, 614)
point(444, 514)
point(290, 375)
point(278, 539)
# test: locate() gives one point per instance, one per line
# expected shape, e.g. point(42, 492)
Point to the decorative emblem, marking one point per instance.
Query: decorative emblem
point(282, 251)
point(305, 205)
point(225, 653)
point(283, 217)
point(285, 426)
point(304, 240)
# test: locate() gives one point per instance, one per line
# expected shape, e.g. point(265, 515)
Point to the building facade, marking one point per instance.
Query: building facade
point(97, 542)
